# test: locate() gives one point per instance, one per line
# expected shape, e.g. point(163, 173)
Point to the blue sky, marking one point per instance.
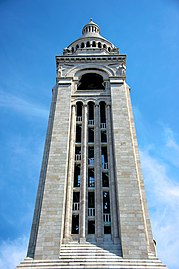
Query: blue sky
point(32, 32)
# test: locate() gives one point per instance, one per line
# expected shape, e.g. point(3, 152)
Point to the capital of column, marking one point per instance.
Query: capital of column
point(108, 105)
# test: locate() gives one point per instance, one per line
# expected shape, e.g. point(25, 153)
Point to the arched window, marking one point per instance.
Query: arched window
point(99, 45)
point(79, 106)
point(91, 113)
point(88, 44)
point(109, 49)
point(72, 49)
point(94, 44)
point(104, 46)
point(77, 46)
point(91, 81)
point(102, 112)
point(82, 45)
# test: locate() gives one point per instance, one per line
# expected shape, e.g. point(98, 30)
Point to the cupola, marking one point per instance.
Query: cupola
point(91, 43)
point(91, 29)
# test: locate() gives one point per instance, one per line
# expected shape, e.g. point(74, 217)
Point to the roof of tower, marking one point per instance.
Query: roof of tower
point(91, 42)
point(91, 29)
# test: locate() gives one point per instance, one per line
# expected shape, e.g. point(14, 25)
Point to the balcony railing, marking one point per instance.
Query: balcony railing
point(107, 218)
point(76, 206)
point(91, 161)
point(91, 184)
point(79, 118)
point(105, 165)
point(77, 157)
point(91, 122)
point(91, 212)
point(103, 125)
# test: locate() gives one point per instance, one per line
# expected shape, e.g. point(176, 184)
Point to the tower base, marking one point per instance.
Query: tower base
point(90, 256)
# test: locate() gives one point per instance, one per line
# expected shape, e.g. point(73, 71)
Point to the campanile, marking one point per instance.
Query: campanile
point(91, 209)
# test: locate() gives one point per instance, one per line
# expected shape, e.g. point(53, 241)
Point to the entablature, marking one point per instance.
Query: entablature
point(92, 58)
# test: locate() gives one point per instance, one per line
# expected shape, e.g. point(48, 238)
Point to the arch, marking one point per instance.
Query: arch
point(91, 81)
point(82, 45)
point(91, 111)
point(104, 46)
point(79, 106)
point(88, 44)
point(94, 44)
point(77, 46)
point(103, 70)
point(72, 49)
point(102, 105)
point(99, 45)
point(109, 49)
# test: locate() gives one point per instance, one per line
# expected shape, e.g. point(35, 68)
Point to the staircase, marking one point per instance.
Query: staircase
point(88, 255)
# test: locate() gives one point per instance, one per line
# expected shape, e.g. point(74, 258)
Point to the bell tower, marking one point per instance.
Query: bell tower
point(91, 209)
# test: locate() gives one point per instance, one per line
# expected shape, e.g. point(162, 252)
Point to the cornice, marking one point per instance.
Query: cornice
point(90, 59)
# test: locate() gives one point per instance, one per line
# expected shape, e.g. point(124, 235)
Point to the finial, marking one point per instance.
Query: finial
point(91, 19)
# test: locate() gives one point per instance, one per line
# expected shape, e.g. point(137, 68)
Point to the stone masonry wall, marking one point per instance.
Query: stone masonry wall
point(52, 212)
point(130, 205)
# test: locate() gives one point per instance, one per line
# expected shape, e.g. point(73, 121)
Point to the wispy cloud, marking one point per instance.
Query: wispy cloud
point(12, 252)
point(172, 147)
point(163, 195)
point(18, 104)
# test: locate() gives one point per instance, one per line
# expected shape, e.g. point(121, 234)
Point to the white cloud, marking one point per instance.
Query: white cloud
point(12, 252)
point(163, 200)
point(172, 147)
point(18, 104)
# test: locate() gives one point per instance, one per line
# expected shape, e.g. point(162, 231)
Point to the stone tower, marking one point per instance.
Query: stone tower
point(91, 209)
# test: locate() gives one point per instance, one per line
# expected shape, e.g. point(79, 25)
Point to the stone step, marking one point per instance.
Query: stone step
point(87, 251)
point(91, 256)
point(123, 264)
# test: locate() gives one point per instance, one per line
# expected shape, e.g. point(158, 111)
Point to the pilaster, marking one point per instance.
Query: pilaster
point(70, 177)
point(98, 189)
point(83, 200)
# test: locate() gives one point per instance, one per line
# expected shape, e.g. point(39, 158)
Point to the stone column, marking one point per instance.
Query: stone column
point(98, 196)
point(84, 145)
point(113, 208)
point(70, 177)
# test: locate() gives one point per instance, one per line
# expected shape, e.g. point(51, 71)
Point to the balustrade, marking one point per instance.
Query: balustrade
point(91, 212)
point(107, 218)
point(79, 118)
point(91, 122)
point(76, 206)
point(103, 125)
point(77, 157)
point(105, 165)
point(91, 161)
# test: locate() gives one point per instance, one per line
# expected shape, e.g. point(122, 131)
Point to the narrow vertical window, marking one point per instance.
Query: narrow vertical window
point(77, 176)
point(104, 157)
point(76, 201)
point(106, 213)
point(91, 113)
point(106, 202)
point(105, 179)
point(91, 135)
point(91, 180)
point(103, 136)
point(91, 155)
point(79, 112)
point(102, 112)
point(78, 134)
point(91, 227)
point(75, 224)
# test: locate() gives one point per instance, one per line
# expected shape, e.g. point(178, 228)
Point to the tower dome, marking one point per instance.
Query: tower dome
point(91, 29)
point(91, 42)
